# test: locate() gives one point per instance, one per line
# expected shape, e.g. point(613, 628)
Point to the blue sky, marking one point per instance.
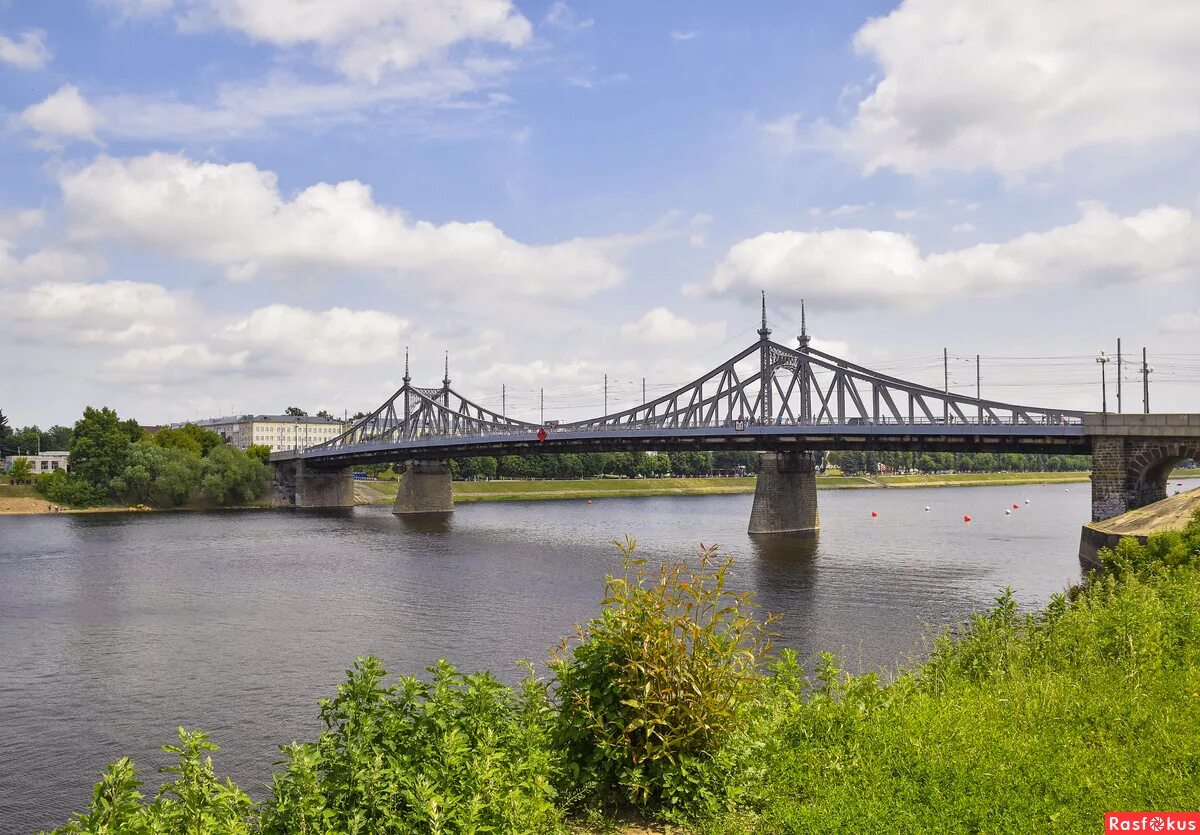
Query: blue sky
point(216, 205)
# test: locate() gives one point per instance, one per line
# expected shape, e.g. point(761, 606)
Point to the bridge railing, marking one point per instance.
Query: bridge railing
point(749, 425)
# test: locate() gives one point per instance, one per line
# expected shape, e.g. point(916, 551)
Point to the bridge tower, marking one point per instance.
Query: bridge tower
point(764, 355)
point(785, 493)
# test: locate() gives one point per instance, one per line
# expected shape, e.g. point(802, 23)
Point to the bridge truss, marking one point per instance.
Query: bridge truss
point(764, 390)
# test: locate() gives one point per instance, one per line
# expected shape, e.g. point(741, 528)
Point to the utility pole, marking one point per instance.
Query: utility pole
point(542, 406)
point(978, 397)
point(606, 394)
point(946, 374)
point(1118, 375)
point(1146, 371)
point(643, 391)
point(1103, 359)
point(503, 400)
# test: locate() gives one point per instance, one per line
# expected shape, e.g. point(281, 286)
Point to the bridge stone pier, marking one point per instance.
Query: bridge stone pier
point(785, 496)
point(425, 488)
point(300, 485)
point(1133, 455)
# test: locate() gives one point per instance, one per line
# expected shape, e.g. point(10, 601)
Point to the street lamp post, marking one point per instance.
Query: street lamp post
point(1103, 360)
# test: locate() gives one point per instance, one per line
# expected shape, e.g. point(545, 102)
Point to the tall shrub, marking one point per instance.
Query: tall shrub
point(654, 694)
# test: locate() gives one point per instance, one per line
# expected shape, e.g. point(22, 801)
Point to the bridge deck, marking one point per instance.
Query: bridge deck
point(1054, 439)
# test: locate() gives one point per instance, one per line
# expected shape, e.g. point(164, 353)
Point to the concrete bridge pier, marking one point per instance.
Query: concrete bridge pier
point(425, 488)
point(302, 486)
point(785, 497)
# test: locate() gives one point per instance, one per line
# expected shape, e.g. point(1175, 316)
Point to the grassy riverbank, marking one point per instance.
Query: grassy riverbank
point(602, 488)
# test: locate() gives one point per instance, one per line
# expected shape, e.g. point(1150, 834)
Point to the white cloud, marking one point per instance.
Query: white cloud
point(178, 364)
point(698, 230)
point(906, 214)
point(783, 134)
point(859, 268)
point(235, 216)
point(562, 16)
point(662, 327)
point(1186, 322)
point(29, 52)
point(137, 8)
point(1019, 85)
point(684, 34)
point(362, 39)
point(65, 113)
point(337, 336)
point(52, 263)
point(111, 312)
point(849, 209)
point(963, 227)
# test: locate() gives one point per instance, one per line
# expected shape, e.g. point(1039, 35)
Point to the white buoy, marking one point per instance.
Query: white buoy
point(926, 508)
point(1027, 501)
point(1007, 512)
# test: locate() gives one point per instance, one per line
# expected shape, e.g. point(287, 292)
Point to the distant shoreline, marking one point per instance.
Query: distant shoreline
point(469, 492)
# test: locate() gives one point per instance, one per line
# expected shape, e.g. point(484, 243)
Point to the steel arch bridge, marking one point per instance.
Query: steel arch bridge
point(766, 397)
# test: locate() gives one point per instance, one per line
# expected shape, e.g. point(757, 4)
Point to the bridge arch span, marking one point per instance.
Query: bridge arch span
point(1151, 467)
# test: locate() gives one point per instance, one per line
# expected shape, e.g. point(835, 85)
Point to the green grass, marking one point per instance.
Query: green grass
point(17, 491)
point(1023, 724)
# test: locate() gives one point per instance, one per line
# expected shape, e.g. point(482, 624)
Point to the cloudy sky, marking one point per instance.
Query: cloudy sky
point(219, 205)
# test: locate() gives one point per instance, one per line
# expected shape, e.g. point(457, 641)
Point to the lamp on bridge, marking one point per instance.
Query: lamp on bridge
point(1103, 359)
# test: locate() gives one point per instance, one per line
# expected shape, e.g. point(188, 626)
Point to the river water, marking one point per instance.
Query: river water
point(117, 628)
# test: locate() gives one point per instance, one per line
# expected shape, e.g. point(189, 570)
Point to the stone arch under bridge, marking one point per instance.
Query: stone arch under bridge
point(1133, 456)
point(1150, 468)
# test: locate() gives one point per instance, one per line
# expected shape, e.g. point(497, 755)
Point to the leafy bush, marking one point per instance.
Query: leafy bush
point(462, 753)
point(195, 802)
point(653, 699)
point(63, 488)
point(21, 471)
point(155, 475)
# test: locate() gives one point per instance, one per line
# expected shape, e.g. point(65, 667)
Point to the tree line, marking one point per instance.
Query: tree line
point(115, 460)
point(700, 464)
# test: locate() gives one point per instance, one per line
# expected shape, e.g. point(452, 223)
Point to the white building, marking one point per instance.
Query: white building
point(279, 432)
point(41, 463)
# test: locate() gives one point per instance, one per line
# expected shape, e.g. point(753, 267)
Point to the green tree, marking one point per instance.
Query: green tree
point(28, 439)
point(56, 437)
point(21, 471)
point(295, 411)
point(163, 477)
point(99, 447)
point(5, 430)
point(191, 438)
point(261, 452)
point(325, 414)
point(230, 476)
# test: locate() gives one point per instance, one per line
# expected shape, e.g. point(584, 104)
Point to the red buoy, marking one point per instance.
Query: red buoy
point(1016, 506)
point(873, 514)
point(966, 518)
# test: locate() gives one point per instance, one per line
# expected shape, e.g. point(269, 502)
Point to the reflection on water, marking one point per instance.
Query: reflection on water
point(117, 628)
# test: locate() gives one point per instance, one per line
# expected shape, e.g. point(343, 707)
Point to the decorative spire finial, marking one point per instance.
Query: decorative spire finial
point(804, 338)
point(406, 378)
point(446, 379)
point(764, 332)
